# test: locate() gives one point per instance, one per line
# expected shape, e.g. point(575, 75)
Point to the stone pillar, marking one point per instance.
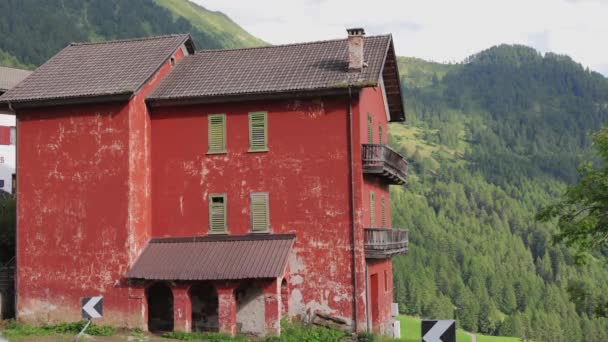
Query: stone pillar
point(182, 308)
point(226, 308)
point(272, 302)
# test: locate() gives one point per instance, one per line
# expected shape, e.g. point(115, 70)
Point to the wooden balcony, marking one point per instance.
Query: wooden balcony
point(382, 161)
point(381, 243)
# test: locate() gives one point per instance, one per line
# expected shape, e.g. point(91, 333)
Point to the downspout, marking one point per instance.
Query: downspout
point(15, 275)
point(352, 209)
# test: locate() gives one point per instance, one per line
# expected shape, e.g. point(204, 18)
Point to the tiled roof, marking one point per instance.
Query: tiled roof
point(89, 70)
point(272, 69)
point(10, 77)
point(214, 258)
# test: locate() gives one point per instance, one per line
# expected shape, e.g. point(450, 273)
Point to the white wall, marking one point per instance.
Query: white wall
point(7, 155)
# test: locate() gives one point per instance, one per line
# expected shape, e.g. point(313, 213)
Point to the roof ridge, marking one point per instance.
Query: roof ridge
point(284, 45)
point(174, 35)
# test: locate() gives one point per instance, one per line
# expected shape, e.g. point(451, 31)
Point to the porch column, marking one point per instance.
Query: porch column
point(182, 308)
point(226, 308)
point(272, 302)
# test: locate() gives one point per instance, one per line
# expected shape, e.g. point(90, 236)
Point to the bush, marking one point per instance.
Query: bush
point(366, 337)
point(291, 332)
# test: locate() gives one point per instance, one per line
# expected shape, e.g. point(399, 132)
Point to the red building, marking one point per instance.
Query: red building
point(216, 190)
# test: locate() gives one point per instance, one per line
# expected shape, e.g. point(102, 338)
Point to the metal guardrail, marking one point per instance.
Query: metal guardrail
point(381, 160)
point(385, 242)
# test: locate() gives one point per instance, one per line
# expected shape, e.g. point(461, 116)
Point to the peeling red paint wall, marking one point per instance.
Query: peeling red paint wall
point(384, 270)
point(84, 208)
point(305, 173)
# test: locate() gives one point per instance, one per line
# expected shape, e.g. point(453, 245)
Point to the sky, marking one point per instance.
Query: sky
point(441, 31)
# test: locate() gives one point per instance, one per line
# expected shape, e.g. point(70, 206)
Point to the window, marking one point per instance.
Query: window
point(370, 136)
point(13, 138)
point(385, 281)
point(260, 221)
point(258, 132)
point(372, 209)
point(379, 134)
point(217, 213)
point(217, 133)
point(383, 212)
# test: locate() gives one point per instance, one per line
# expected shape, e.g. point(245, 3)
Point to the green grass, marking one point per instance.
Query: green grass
point(21, 331)
point(483, 338)
point(411, 330)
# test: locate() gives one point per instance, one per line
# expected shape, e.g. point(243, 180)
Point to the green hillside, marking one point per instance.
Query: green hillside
point(489, 142)
point(32, 31)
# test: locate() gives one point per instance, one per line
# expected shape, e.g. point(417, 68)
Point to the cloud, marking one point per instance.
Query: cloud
point(433, 29)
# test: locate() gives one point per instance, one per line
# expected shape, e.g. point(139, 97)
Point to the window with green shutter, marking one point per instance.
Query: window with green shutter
point(380, 134)
point(370, 134)
point(217, 133)
point(372, 209)
point(260, 218)
point(217, 213)
point(383, 212)
point(258, 132)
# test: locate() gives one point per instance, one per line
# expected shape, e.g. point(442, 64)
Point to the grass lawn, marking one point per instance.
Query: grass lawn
point(483, 338)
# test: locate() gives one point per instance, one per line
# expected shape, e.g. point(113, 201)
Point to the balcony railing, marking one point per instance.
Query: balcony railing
point(383, 161)
point(383, 243)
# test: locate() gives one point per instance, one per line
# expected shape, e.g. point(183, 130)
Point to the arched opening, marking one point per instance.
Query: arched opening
point(250, 309)
point(204, 307)
point(160, 308)
point(284, 298)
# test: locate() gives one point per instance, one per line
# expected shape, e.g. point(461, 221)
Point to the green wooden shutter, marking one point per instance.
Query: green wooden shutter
point(380, 134)
point(372, 209)
point(260, 221)
point(383, 211)
point(258, 131)
point(217, 213)
point(217, 133)
point(370, 134)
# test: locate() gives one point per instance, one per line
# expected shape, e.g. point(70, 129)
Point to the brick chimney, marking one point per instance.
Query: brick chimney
point(355, 49)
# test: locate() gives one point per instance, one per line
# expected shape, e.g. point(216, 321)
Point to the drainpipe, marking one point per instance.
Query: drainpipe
point(352, 208)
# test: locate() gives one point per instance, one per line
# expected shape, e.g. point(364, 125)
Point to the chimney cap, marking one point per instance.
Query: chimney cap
point(355, 31)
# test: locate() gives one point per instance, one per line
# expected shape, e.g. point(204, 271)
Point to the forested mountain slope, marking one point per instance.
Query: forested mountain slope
point(32, 31)
point(490, 141)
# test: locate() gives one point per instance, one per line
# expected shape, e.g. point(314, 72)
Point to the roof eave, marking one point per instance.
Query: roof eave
point(35, 103)
point(193, 100)
point(396, 105)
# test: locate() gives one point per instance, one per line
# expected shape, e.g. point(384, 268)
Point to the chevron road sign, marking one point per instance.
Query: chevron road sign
point(92, 307)
point(438, 331)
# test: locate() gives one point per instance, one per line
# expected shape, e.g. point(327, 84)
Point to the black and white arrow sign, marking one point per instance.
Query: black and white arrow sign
point(438, 331)
point(92, 307)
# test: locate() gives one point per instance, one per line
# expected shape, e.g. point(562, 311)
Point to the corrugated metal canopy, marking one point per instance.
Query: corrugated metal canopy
point(214, 258)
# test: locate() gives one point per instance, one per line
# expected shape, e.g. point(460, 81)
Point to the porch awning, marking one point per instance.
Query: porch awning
point(214, 257)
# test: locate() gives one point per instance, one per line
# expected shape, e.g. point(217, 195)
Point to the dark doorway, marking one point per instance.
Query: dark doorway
point(160, 308)
point(204, 307)
point(284, 298)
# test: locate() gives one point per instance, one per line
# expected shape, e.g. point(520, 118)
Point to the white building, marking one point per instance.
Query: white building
point(9, 77)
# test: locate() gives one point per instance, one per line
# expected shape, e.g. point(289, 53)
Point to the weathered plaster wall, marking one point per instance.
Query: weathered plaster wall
point(250, 309)
point(305, 173)
point(84, 208)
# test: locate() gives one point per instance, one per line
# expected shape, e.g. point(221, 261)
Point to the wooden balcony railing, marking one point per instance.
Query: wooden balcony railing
point(383, 243)
point(383, 161)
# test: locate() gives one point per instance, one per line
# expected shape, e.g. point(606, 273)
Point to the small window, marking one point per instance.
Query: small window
point(217, 133)
point(258, 132)
point(380, 134)
point(383, 211)
point(370, 135)
point(260, 220)
point(385, 281)
point(13, 138)
point(217, 213)
point(372, 209)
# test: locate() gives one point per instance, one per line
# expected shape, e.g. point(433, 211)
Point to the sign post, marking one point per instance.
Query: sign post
point(92, 307)
point(438, 331)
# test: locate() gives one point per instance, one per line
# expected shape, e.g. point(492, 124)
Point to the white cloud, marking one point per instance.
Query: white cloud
point(433, 29)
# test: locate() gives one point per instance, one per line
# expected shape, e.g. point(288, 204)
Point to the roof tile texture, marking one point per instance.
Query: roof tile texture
point(273, 69)
point(10, 77)
point(214, 258)
point(96, 69)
